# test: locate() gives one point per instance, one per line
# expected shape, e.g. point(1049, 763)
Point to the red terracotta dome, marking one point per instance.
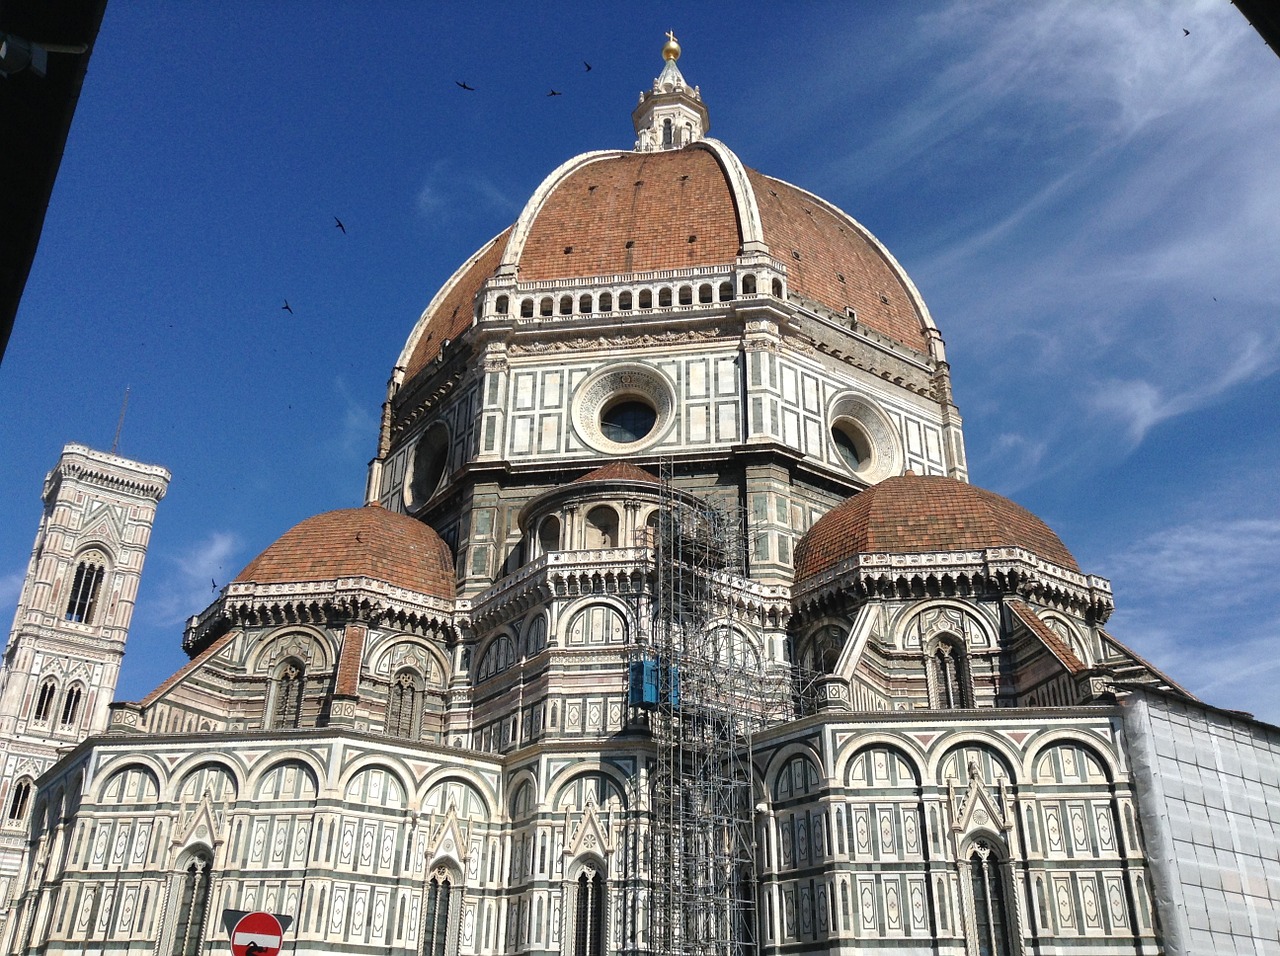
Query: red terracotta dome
point(912, 514)
point(613, 212)
point(366, 542)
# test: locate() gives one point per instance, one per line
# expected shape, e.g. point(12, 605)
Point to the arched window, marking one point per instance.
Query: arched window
point(950, 676)
point(193, 902)
point(686, 295)
point(290, 684)
point(84, 590)
point(549, 534)
point(777, 288)
point(500, 305)
point(588, 917)
point(704, 293)
point(566, 305)
point(435, 927)
point(726, 292)
point(584, 304)
point(624, 301)
point(19, 801)
point(526, 309)
point(664, 297)
point(602, 528)
point(545, 307)
point(404, 704)
point(990, 901)
point(666, 132)
point(606, 302)
point(646, 299)
point(44, 700)
point(71, 705)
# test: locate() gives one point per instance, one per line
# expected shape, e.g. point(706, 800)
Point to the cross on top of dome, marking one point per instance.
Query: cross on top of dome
point(672, 114)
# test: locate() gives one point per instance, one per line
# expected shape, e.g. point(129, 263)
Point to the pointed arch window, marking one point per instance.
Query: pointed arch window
point(193, 902)
point(84, 590)
point(44, 700)
point(435, 930)
point(404, 706)
point(290, 683)
point(71, 705)
point(19, 801)
point(949, 670)
point(991, 923)
point(588, 917)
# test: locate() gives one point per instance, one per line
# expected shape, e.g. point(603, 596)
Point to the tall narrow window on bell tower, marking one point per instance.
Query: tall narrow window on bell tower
point(287, 708)
point(588, 923)
point(84, 591)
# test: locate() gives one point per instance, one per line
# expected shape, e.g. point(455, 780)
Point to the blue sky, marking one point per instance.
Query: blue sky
point(1087, 199)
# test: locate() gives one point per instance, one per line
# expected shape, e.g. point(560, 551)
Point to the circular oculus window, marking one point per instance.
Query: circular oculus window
point(863, 440)
point(430, 456)
point(623, 408)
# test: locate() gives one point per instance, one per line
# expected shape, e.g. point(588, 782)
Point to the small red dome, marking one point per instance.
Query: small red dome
point(912, 514)
point(366, 542)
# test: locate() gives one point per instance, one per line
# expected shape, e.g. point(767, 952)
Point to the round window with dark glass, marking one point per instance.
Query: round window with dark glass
point(850, 446)
point(627, 421)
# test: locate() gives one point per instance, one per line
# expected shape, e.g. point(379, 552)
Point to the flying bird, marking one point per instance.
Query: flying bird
point(214, 583)
point(1186, 32)
point(338, 222)
point(555, 93)
point(286, 307)
point(464, 86)
point(587, 65)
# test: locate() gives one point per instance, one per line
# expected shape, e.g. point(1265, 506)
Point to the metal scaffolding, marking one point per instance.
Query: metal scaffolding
point(700, 679)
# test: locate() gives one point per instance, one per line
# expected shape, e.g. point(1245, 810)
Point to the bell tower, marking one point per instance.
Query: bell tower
point(60, 667)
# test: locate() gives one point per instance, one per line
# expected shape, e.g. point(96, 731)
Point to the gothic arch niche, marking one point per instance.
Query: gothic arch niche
point(595, 624)
point(19, 802)
point(794, 783)
point(288, 692)
point(989, 890)
point(376, 787)
point(42, 710)
point(214, 779)
point(441, 911)
point(994, 767)
point(70, 709)
point(405, 699)
point(1070, 634)
point(818, 652)
point(533, 635)
point(601, 528)
point(135, 785)
point(549, 535)
point(918, 625)
point(91, 566)
point(288, 780)
point(586, 913)
point(947, 673)
point(497, 656)
point(190, 887)
point(883, 821)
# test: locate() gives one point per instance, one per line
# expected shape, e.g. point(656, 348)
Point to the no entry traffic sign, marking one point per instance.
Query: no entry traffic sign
point(256, 934)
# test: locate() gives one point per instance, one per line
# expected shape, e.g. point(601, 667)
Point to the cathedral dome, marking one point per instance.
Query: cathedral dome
point(368, 542)
point(913, 514)
point(612, 213)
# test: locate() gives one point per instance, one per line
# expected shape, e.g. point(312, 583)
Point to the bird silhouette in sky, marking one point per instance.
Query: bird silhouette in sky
point(1186, 32)
point(555, 93)
point(338, 222)
point(286, 307)
point(464, 86)
point(214, 583)
point(587, 65)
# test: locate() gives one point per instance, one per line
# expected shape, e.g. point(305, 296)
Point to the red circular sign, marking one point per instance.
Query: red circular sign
point(257, 934)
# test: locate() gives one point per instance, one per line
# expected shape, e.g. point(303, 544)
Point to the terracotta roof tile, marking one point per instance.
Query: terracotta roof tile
point(619, 470)
point(358, 542)
point(1050, 639)
point(830, 247)
point(453, 316)
point(634, 212)
point(912, 514)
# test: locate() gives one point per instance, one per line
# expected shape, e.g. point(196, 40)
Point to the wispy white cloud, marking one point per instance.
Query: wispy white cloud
point(354, 435)
point(1200, 599)
point(446, 188)
point(184, 583)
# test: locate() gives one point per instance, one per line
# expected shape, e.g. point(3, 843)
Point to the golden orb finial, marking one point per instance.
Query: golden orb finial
point(671, 49)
